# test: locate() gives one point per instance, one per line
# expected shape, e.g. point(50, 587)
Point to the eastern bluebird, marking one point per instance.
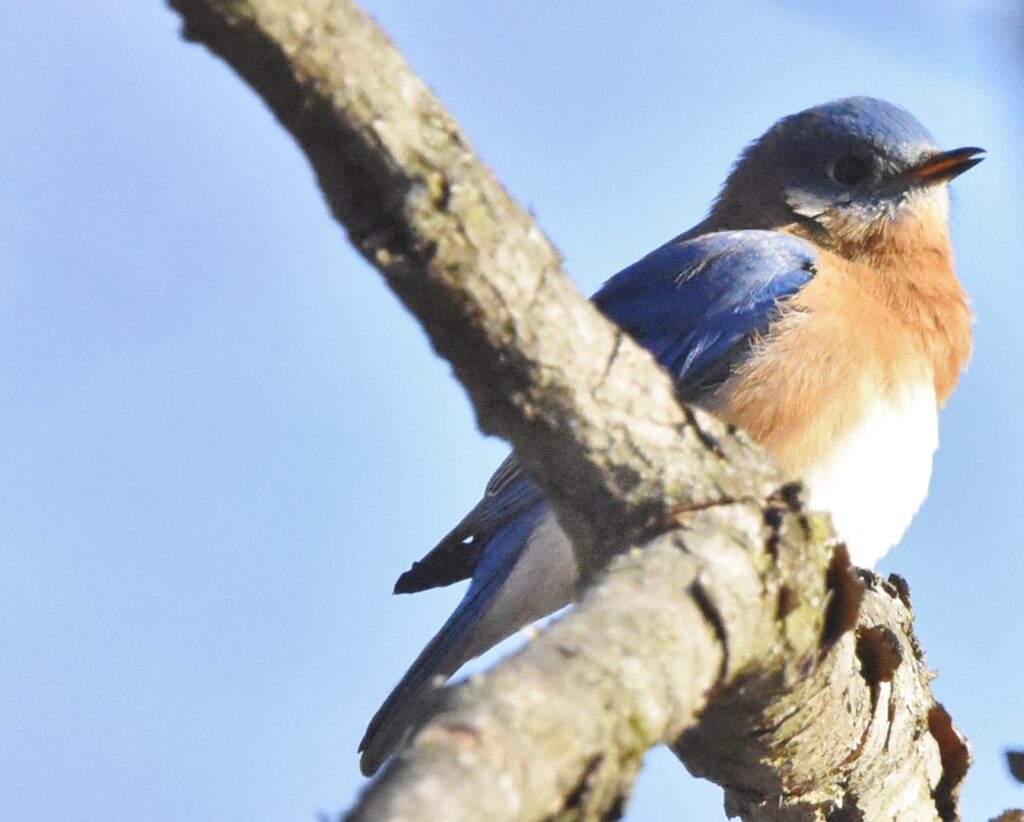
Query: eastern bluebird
point(816, 307)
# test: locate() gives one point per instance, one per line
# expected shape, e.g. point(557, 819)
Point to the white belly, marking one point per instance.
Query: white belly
point(875, 477)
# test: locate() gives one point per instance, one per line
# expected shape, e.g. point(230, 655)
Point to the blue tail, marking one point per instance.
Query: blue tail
point(466, 634)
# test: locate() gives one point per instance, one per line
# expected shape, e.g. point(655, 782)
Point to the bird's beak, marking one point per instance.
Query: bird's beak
point(943, 166)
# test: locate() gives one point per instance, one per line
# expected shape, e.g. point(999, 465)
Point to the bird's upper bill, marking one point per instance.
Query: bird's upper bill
point(944, 165)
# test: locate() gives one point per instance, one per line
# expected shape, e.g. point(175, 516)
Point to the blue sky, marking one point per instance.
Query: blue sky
point(221, 438)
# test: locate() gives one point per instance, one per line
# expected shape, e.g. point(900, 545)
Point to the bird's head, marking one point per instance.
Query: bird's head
point(846, 174)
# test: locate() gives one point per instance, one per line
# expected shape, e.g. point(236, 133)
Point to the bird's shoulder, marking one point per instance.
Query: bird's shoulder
point(717, 266)
point(697, 302)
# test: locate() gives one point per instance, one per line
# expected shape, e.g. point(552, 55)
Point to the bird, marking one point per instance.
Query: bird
point(816, 307)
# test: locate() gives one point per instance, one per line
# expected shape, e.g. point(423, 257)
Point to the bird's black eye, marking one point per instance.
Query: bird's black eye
point(851, 169)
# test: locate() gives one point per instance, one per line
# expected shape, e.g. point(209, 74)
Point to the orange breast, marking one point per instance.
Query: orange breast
point(855, 333)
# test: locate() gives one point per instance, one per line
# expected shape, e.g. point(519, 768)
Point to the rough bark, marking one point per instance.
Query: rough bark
point(729, 634)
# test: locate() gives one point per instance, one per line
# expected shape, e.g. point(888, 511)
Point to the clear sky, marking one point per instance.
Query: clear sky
point(221, 438)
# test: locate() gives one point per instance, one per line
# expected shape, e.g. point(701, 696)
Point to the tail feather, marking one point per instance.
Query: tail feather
point(497, 604)
point(415, 696)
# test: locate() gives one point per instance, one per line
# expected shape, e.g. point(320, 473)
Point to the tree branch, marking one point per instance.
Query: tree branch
point(726, 626)
point(480, 276)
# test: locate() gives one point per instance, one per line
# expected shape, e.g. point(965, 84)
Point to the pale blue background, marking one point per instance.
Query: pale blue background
point(221, 438)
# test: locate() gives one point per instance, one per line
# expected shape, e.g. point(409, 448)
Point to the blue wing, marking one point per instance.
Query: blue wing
point(696, 305)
